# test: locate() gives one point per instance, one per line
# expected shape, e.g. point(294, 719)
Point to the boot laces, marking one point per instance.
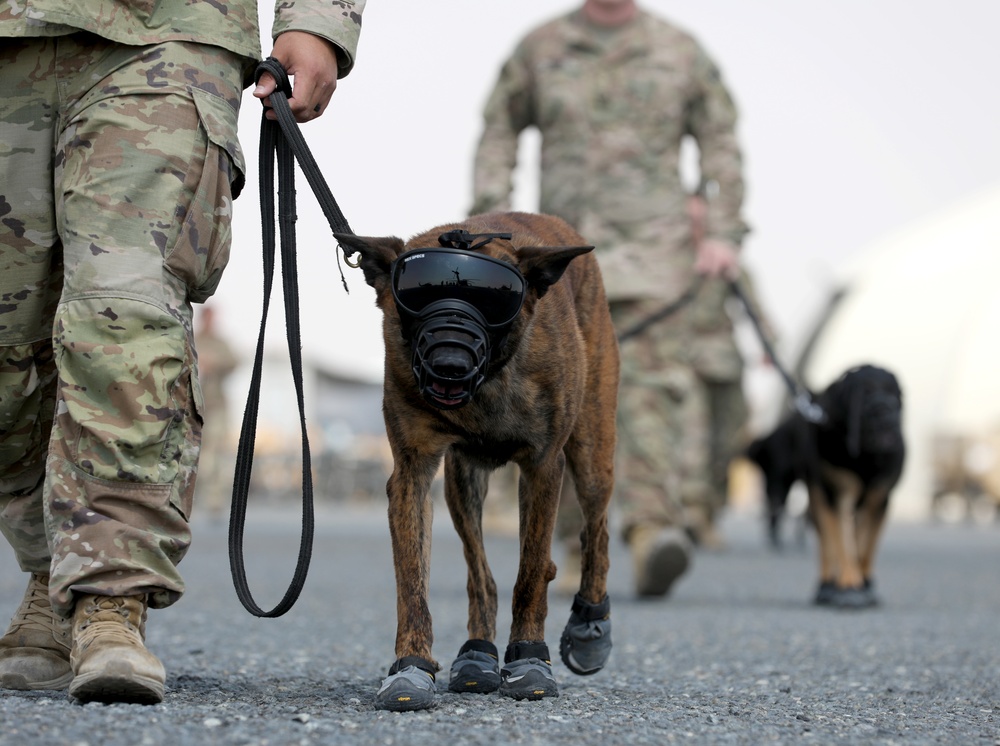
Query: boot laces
point(109, 617)
point(36, 610)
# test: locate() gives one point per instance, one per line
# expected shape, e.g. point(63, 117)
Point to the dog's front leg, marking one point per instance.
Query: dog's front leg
point(847, 489)
point(476, 668)
point(527, 671)
point(827, 530)
point(410, 684)
point(871, 520)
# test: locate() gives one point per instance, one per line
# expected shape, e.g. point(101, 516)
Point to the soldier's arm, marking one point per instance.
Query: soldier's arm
point(316, 44)
point(712, 122)
point(715, 256)
point(509, 109)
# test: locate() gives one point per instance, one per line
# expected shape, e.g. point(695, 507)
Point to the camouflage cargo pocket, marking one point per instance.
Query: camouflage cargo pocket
point(201, 251)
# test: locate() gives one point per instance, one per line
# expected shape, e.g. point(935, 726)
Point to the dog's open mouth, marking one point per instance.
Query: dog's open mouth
point(449, 396)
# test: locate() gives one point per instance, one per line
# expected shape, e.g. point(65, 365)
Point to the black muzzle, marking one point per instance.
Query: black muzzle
point(451, 355)
point(456, 307)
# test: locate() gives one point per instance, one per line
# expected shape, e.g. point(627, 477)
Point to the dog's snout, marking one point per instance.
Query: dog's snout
point(451, 362)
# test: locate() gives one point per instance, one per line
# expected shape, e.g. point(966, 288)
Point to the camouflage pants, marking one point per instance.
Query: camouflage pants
point(115, 201)
point(677, 428)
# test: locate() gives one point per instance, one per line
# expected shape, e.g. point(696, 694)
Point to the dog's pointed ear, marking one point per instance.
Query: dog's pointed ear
point(377, 255)
point(542, 266)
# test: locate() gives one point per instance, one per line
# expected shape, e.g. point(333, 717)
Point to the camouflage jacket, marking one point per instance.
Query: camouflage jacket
point(231, 24)
point(613, 106)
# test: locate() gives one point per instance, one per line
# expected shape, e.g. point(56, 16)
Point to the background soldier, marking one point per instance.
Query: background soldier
point(614, 91)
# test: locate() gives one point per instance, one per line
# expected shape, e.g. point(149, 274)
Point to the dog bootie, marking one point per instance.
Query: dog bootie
point(476, 669)
point(527, 672)
point(586, 641)
point(409, 686)
point(825, 594)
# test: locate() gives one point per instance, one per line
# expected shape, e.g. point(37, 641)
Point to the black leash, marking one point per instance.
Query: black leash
point(671, 308)
point(802, 400)
point(283, 141)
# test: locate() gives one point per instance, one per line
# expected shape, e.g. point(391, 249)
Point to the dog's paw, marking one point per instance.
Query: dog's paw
point(585, 644)
point(861, 597)
point(406, 688)
point(825, 594)
point(527, 673)
point(476, 669)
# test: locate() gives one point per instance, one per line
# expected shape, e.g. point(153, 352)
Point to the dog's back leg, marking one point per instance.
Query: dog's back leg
point(476, 667)
point(777, 495)
point(593, 475)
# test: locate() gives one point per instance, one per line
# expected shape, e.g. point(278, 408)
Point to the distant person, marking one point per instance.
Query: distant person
point(119, 165)
point(614, 91)
point(216, 363)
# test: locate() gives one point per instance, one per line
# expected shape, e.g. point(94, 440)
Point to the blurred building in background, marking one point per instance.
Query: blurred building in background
point(348, 447)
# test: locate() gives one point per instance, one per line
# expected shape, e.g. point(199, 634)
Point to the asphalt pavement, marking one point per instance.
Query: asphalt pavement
point(736, 654)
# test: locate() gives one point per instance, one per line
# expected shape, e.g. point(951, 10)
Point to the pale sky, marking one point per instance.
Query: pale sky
point(856, 118)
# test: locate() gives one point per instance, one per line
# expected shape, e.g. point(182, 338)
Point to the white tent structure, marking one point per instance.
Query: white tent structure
point(925, 303)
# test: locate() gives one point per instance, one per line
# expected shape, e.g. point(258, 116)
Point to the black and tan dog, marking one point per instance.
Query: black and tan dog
point(850, 463)
point(498, 347)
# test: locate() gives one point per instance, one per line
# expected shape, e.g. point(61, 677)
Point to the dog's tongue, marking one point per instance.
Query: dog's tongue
point(448, 395)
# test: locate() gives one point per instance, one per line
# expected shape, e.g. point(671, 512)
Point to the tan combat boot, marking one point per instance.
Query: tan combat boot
point(700, 523)
point(109, 658)
point(660, 555)
point(34, 654)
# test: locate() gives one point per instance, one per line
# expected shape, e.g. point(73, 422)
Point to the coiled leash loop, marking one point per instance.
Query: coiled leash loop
point(283, 141)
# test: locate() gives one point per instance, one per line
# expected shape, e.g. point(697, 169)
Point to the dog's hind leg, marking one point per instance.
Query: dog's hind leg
point(476, 668)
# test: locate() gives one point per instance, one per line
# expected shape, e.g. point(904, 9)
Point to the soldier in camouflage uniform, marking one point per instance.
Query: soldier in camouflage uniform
point(614, 90)
point(119, 163)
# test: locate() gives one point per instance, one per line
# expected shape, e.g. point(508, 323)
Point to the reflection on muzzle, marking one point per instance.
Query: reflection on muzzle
point(451, 352)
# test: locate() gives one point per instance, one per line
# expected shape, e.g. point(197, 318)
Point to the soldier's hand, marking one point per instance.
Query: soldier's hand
point(717, 258)
point(311, 62)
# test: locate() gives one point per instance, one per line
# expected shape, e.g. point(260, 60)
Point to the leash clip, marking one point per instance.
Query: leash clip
point(810, 410)
point(353, 264)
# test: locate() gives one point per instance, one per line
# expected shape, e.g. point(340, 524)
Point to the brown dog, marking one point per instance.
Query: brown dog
point(498, 347)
